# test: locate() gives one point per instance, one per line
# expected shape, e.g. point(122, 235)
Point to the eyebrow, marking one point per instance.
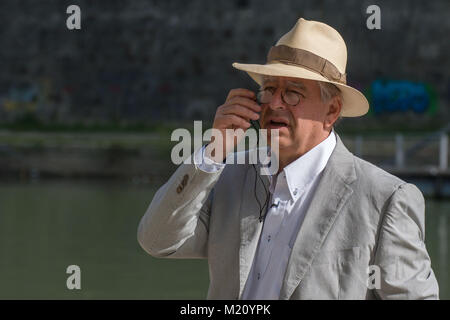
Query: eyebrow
point(298, 85)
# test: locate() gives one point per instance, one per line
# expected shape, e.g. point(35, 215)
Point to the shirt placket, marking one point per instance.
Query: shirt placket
point(272, 226)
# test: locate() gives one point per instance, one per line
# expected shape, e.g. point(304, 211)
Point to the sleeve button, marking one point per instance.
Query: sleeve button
point(185, 180)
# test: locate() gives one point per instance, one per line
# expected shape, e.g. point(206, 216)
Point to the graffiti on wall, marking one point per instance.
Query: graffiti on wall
point(387, 96)
point(21, 97)
point(27, 97)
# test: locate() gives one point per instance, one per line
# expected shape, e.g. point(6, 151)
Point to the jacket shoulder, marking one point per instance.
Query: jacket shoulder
point(374, 181)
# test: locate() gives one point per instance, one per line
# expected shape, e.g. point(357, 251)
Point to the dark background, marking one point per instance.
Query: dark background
point(142, 62)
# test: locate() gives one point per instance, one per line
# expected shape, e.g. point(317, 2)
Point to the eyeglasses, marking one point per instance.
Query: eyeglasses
point(289, 97)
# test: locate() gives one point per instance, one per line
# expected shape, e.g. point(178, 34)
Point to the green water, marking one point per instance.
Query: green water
point(47, 226)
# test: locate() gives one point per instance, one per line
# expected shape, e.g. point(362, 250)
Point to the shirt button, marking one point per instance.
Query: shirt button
point(268, 238)
point(259, 275)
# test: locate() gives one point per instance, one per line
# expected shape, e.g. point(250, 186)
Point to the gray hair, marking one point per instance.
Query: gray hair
point(328, 91)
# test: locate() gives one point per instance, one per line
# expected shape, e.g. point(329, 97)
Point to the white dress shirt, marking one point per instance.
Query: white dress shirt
point(291, 193)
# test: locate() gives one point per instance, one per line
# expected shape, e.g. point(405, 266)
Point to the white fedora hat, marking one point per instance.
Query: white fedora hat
point(311, 50)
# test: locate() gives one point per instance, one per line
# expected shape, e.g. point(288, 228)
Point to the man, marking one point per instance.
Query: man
point(336, 227)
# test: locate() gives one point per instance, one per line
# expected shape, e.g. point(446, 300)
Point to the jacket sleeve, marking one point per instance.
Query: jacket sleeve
point(401, 255)
point(176, 223)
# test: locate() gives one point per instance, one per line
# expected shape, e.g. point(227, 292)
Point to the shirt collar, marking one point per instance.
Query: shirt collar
point(301, 172)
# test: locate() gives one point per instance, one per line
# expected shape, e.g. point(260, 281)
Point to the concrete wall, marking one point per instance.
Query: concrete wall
point(144, 60)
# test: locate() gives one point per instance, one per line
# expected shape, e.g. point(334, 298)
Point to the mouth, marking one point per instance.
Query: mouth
point(277, 123)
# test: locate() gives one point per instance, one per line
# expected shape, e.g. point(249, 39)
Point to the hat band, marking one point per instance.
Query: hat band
point(306, 59)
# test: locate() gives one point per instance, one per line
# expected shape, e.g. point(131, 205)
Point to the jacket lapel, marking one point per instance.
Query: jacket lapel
point(250, 227)
point(330, 197)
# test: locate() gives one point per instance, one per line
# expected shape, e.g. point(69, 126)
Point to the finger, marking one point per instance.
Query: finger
point(241, 92)
point(236, 121)
point(241, 111)
point(245, 102)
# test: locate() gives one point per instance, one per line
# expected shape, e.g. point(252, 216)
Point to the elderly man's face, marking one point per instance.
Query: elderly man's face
point(300, 126)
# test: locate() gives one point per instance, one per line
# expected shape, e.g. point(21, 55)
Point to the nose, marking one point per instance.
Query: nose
point(277, 102)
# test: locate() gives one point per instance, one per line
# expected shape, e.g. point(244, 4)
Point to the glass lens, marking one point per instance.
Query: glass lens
point(264, 96)
point(292, 98)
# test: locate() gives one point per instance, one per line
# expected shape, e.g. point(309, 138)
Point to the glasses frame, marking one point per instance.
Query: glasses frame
point(283, 92)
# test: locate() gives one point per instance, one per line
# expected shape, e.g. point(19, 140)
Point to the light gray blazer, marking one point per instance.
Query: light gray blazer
point(360, 216)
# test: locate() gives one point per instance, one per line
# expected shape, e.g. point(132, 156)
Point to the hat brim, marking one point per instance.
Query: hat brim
point(355, 103)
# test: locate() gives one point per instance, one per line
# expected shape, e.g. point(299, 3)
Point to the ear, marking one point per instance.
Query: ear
point(334, 107)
